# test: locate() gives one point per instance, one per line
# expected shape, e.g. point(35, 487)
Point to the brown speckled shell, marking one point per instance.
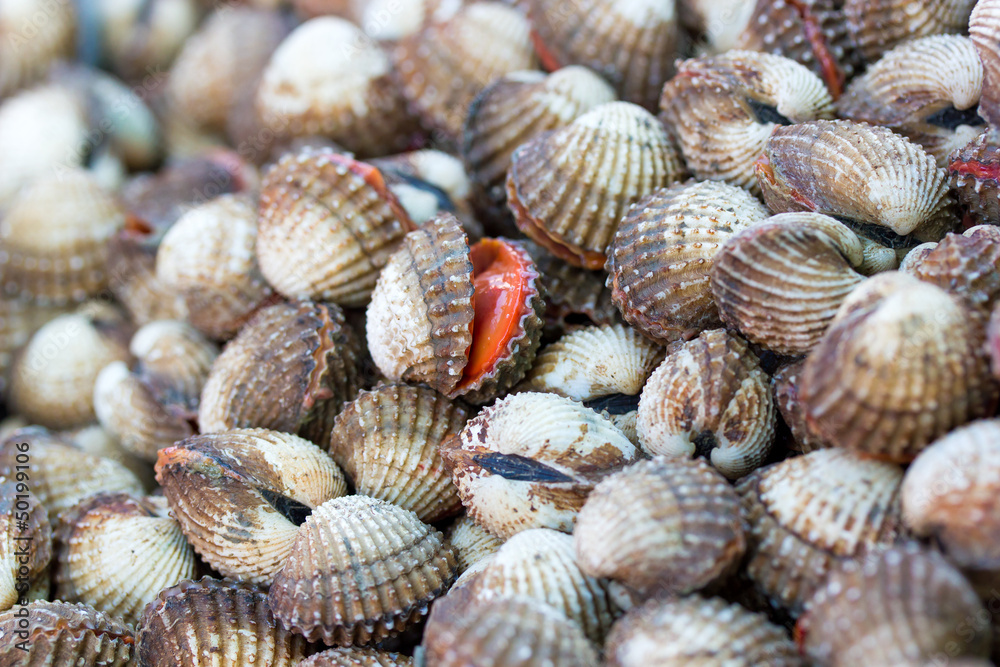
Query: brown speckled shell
point(60, 633)
point(966, 265)
point(875, 26)
point(810, 512)
point(361, 570)
point(357, 657)
point(974, 174)
point(785, 387)
point(25, 541)
point(663, 250)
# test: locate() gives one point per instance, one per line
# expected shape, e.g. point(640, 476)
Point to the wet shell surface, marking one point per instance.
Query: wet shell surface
point(213, 623)
point(897, 607)
point(60, 633)
point(808, 513)
point(722, 109)
point(240, 496)
point(781, 281)
point(513, 110)
point(471, 542)
point(25, 540)
point(695, 630)
point(966, 265)
point(663, 250)
point(540, 564)
point(117, 552)
point(506, 632)
point(328, 224)
point(927, 90)
point(677, 527)
point(361, 569)
point(290, 369)
point(357, 657)
point(631, 43)
point(709, 398)
point(387, 439)
point(896, 332)
point(569, 188)
point(208, 258)
point(530, 459)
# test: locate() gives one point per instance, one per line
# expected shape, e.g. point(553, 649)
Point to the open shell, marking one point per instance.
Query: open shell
point(361, 569)
point(60, 633)
point(25, 540)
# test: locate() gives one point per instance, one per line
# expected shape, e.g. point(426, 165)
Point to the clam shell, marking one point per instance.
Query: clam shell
point(387, 439)
point(663, 250)
point(506, 632)
point(698, 631)
point(511, 111)
point(212, 623)
point(709, 398)
point(785, 388)
point(811, 512)
point(974, 174)
point(174, 360)
point(95, 440)
point(54, 238)
point(117, 552)
point(60, 633)
point(896, 331)
point(677, 527)
point(328, 224)
point(241, 495)
point(361, 570)
point(19, 320)
point(208, 257)
point(29, 46)
point(530, 459)
point(131, 267)
point(717, 24)
point(540, 564)
point(926, 89)
point(876, 26)
point(427, 182)
point(983, 22)
point(470, 542)
point(631, 43)
point(781, 281)
point(966, 265)
point(722, 109)
point(290, 369)
point(893, 608)
point(25, 540)
point(460, 49)
point(357, 657)
point(569, 188)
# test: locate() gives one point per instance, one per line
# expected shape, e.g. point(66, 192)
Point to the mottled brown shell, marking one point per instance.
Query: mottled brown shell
point(387, 439)
point(781, 281)
point(361, 570)
point(785, 388)
point(875, 26)
point(663, 250)
point(60, 633)
point(290, 369)
point(173, 360)
point(471, 542)
point(131, 266)
point(357, 657)
point(966, 265)
point(709, 398)
point(569, 188)
point(213, 623)
point(25, 539)
point(809, 513)
point(698, 631)
point(975, 173)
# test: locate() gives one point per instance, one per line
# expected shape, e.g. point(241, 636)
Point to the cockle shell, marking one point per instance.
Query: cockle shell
point(461, 48)
point(896, 331)
point(95, 440)
point(357, 657)
point(506, 632)
point(60, 633)
point(966, 266)
point(345, 92)
point(28, 46)
point(471, 542)
point(241, 495)
point(993, 340)
point(213, 623)
point(926, 89)
point(677, 524)
point(387, 439)
point(208, 258)
point(511, 111)
point(893, 608)
point(975, 174)
point(19, 320)
point(715, 24)
point(809, 513)
point(781, 281)
point(661, 255)
point(569, 188)
point(427, 182)
point(530, 459)
point(361, 569)
point(709, 398)
point(117, 552)
point(722, 109)
point(131, 268)
point(785, 388)
point(174, 360)
point(698, 631)
point(139, 39)
point(291, 368)
point(328, 224)
point(876, 26)
point(632, 43)
point(25, 539)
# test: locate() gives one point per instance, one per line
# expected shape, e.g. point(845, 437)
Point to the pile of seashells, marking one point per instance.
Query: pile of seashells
point(453, 333)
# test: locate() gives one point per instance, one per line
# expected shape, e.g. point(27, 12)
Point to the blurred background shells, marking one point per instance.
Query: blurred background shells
point(61, 633)
point(471, 542)
point(25, 541)
point(173, 360)
point(662, 252)
point(30, 46)
point(213, 622)
point(361, 569)
point(530, 459)
point(568, 190)
point(19, 320)
point(709, 398)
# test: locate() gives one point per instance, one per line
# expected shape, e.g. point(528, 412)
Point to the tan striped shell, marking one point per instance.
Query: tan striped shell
point(470, 542)
point(785, 388)
point(983, 23)
point(60, 633)
point(966, 265)
point(875, 26)
point(25, 539)
point(356, 657)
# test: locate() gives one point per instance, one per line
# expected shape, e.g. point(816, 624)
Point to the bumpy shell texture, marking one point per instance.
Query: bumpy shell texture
point(25, 541)
point(471, 542)
point(60, 633)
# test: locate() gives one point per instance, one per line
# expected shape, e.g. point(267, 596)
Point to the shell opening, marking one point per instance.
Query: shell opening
point(704, 443)
point(877, 233)
point(951, 118)
point(289, 508)
point(766, 113)
point(614, 404)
